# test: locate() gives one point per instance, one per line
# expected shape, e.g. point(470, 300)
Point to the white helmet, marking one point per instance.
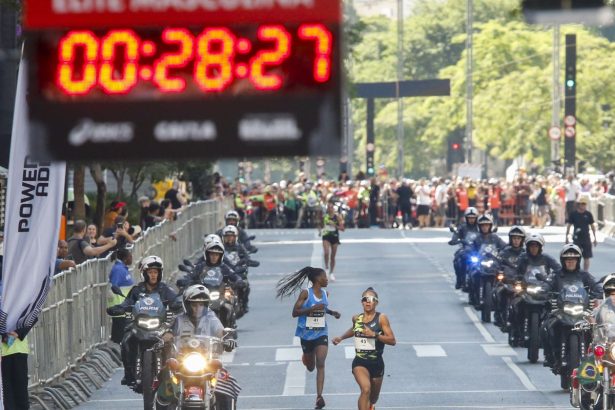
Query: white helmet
point(232, 214)
point(608, 284)
point(535, 238)
point(209, 238)
point(194, 293)
point(215, 246)
point(471, 212)
point(151, 262)
point(230, 230)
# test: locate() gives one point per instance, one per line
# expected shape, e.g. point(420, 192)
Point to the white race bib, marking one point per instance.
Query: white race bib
point(363, 344)
point(329, 228)
point(315, 322)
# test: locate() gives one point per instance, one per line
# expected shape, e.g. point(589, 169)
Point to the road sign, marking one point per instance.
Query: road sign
point(570, 120)
point(570, 132)
point(555, 133)
point(216, 79)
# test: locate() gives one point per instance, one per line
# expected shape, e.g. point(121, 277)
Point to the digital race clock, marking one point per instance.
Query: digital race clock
point(218, 78)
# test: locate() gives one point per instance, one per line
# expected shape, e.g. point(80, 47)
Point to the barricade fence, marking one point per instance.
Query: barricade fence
point(74, 319)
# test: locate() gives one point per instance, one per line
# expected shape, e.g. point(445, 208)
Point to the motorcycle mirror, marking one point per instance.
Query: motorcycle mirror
point(541, 277)
point(181, 283)
point(117, 290)
point(495, 229)
point(183, 268)
point(188, 263)
point(452, 228)
point(252, 237)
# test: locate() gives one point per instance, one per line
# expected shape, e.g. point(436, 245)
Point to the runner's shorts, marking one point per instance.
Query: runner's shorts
point(374, 367)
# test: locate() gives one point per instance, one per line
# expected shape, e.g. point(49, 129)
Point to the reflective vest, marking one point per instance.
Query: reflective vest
point(18, 346)
point(113, 299)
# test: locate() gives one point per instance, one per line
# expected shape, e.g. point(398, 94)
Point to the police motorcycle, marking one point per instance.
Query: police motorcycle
point(569, 307)
point(194, 377)
point(232, 218)
point(147, 320)
point(528, 309)
point(592, 385)
point(465, 256)
point(213, 281)
point(482, 279)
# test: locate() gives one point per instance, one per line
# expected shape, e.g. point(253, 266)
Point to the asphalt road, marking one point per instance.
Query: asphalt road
point(444, 358)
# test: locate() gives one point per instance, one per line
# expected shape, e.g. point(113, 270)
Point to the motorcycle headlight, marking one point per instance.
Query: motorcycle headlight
point(518, 287)
point(194, 362)
point(473, 259)
point(148, 323)
point(214, 295)
point(500, 277)
point(573, 310)
point(534, 289)
point(487, 264)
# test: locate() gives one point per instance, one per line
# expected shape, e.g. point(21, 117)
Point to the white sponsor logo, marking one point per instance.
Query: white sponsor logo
point(88, 130)
point(166, 131)
point(269, 128)
point(120, 6)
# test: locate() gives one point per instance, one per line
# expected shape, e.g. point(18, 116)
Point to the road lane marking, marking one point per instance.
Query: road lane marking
point(483, 331)
point(294, 383)
point(402, 393)
point(317, 260)
point(520, 374)
point(296, 341)
point(499, 350)
point(285, 354)
point(429, 351)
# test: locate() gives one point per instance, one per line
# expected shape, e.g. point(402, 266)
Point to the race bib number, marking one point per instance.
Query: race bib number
point(329, 228)
point(364, 344)
point(315, 321)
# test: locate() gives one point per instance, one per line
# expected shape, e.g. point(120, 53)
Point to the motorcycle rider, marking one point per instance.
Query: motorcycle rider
point(509, 259)
point(570, 259)
point(238, 264)
point(232, 218)
point(151, 268)
point(487, 237)
point(470, 215)
point(606, 311)
point(199, 320)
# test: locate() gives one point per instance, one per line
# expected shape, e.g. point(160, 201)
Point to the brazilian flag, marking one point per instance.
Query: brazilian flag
point(588, 371)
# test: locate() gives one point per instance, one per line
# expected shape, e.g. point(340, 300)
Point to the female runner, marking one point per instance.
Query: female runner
point(332, 223)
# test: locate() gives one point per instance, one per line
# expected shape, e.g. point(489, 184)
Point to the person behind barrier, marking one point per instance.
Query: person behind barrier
point(120, 277)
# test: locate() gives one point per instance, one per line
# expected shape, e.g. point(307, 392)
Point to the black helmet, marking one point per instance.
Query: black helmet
point(608, 284)
point(517, 231)
point(570, 251)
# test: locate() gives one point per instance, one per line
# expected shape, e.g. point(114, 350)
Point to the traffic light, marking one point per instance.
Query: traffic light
point(455, 152)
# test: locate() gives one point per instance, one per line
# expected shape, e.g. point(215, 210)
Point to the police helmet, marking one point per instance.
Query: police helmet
point(608, 284)
point(149, 262)
point(570, 251)
point(535, 238)
point(194, 293)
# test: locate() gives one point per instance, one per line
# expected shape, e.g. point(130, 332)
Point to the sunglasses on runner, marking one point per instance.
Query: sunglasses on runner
point(370, 299)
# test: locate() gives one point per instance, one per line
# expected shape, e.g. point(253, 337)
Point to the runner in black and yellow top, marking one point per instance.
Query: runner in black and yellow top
point(371, 331)
point(332, 223)
point(311, 308)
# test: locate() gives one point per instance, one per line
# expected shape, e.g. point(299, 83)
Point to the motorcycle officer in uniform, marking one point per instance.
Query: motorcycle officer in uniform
point(459, 261)
point(509, 260)
point(487, 237)
point(570, 258)
point(232, 218)
point(151, 268)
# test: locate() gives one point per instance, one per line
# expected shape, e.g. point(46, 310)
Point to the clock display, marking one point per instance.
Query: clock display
point(195, 63)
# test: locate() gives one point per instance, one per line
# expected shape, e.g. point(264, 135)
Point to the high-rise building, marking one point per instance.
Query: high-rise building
point(387, 8)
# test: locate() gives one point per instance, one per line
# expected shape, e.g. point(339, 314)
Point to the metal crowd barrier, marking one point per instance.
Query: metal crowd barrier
point(603, 209)
point(74, 320)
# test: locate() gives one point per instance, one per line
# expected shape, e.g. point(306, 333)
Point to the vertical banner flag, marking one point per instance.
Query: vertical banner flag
point(32, 223)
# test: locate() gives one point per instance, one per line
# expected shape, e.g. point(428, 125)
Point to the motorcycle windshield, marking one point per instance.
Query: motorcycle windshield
point(203, 344)
point(605, 319)
point(488, 250)
point(211, 278)
point(573, 293)
point(149, 306)
point(532, 271)
point(470, 237)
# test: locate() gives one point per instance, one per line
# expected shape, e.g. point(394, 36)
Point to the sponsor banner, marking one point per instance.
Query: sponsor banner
point(33, 210)
point(250, 127)
point(63, 14)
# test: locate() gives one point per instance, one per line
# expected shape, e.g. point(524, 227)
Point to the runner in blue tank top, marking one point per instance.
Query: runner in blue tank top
point(311, 308)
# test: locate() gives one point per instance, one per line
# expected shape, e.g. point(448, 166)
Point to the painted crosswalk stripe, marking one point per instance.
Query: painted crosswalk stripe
point(498, 350)
point(288, 354)
point(429, 351)
point(294, 383)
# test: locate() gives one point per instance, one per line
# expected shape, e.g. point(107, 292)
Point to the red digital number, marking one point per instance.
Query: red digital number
point(123, 80)
point(324, 47)
point(178, 59)
point(259, 63)
point(68, 46)
point(213, 70)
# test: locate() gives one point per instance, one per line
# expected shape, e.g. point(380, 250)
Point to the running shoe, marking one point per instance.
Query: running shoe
point(320, 403)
